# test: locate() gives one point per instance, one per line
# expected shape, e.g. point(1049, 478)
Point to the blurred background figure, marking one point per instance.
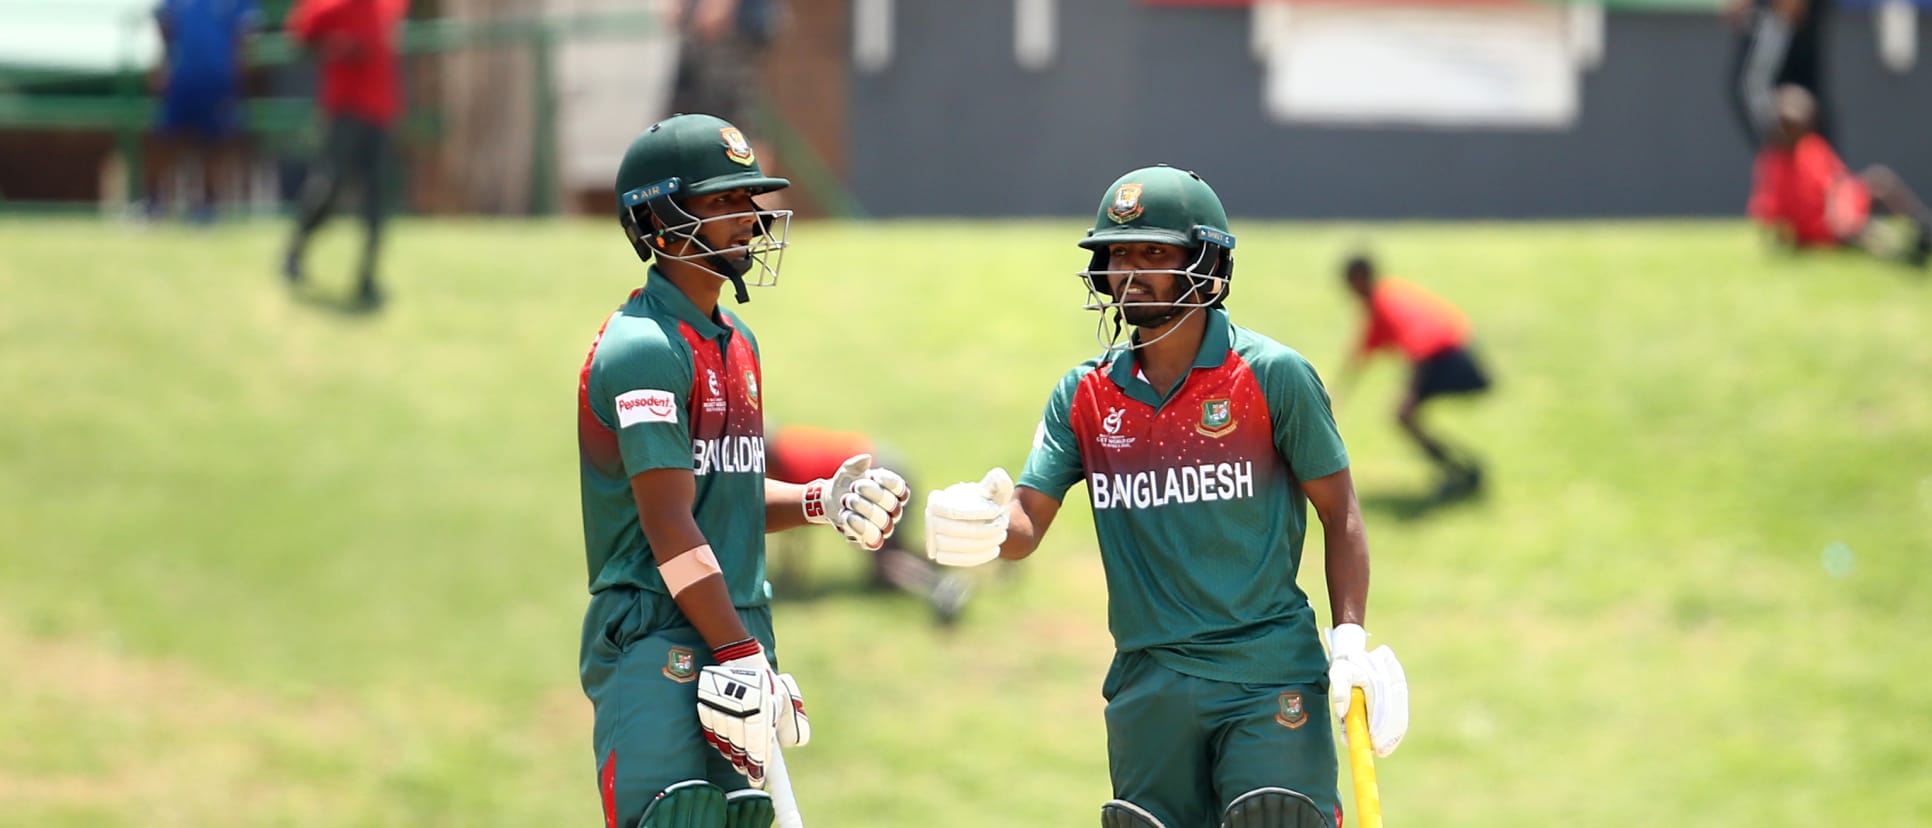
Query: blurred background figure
point(1808, 198)
point(195, 155)
point(1779, 42)
point(361, 96)
point(1434, 335)
point(720, 58)
point(801, 453)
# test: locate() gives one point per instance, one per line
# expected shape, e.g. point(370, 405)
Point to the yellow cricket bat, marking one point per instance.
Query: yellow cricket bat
point(1361, 762)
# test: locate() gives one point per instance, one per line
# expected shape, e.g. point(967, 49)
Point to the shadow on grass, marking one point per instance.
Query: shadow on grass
point(348, 305)
point(1413, 506)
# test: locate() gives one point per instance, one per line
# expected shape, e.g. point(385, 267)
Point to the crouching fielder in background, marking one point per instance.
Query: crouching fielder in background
point(678, 655)
point(1201, 443)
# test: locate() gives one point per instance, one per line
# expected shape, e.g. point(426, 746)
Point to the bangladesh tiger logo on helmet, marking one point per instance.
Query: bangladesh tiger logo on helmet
point(736, 147)
point(1126, 206)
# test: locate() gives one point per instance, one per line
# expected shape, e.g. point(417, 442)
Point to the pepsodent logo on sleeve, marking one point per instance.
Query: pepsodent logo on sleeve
point(646, 405)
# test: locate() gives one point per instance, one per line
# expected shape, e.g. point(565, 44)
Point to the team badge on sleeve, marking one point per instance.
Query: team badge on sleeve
point(736, 147)
point(1217, 419)
point(646, 405)
point(1293, 713)
point(1126, 206)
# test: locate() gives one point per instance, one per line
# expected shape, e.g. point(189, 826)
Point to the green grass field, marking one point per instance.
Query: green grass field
point(266, 563)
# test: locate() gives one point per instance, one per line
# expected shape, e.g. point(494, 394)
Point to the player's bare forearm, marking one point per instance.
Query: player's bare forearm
point(1345, 545)
point(784, 505)
point(664, 498)
point(707, 604)
point(1027, 518)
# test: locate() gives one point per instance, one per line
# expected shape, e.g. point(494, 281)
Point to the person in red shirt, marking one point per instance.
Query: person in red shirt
point(361, 94)
point(1807, 196)
point(802, 453)
point(1434, 336)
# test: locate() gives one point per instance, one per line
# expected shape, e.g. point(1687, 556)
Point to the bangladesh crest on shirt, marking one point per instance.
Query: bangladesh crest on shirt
point(1217, 419)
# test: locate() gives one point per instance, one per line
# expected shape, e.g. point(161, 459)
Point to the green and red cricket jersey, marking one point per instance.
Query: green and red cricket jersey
point(667, 387)
point(1197, 501)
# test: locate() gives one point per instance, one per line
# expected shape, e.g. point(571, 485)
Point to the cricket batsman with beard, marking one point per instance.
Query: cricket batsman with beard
point(678, 652)
point(1202, 445)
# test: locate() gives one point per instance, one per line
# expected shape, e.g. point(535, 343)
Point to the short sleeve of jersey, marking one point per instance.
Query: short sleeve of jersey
point(1054, 465)
point(641, 387)
point(1305, 431)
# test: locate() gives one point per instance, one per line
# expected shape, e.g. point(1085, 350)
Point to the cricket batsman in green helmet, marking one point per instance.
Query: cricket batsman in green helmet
point(1202, 444)
point(678, 653)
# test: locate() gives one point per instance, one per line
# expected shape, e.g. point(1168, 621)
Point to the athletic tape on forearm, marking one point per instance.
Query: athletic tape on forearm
point(689, 567)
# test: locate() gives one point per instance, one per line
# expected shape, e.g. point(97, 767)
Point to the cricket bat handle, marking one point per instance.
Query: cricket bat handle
point(778, 783)
point(1361, 762)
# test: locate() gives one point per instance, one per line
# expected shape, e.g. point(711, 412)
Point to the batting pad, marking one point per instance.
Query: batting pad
point(693, 803)
point(1273, 808)
point(1119, 813)
point(748, 809)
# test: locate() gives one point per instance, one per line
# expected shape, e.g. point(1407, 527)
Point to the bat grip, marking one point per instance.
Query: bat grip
point(1361, 762)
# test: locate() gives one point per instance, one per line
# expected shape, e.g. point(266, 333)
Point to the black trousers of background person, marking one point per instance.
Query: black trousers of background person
point(1764, 62)
point(355, 152)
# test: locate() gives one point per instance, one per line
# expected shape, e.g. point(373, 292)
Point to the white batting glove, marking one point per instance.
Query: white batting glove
point(1385, 688)
point(966, 522)
point(743, 705)
point(862, 502)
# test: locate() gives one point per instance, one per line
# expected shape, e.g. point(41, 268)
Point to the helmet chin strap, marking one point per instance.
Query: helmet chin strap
point(723, 268)
point(732, 272)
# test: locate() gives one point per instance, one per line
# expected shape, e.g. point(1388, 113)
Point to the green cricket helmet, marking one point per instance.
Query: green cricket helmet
point(1159, 205)
point(693, 155)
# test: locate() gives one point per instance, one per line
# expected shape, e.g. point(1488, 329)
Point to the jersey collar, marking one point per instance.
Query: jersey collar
point(661, 292)
point(1215, 342)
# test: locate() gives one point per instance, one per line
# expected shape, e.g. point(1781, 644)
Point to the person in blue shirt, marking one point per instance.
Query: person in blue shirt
point(197, 146)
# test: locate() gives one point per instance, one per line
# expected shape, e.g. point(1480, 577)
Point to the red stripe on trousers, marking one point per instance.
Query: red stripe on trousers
point(607, 784)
